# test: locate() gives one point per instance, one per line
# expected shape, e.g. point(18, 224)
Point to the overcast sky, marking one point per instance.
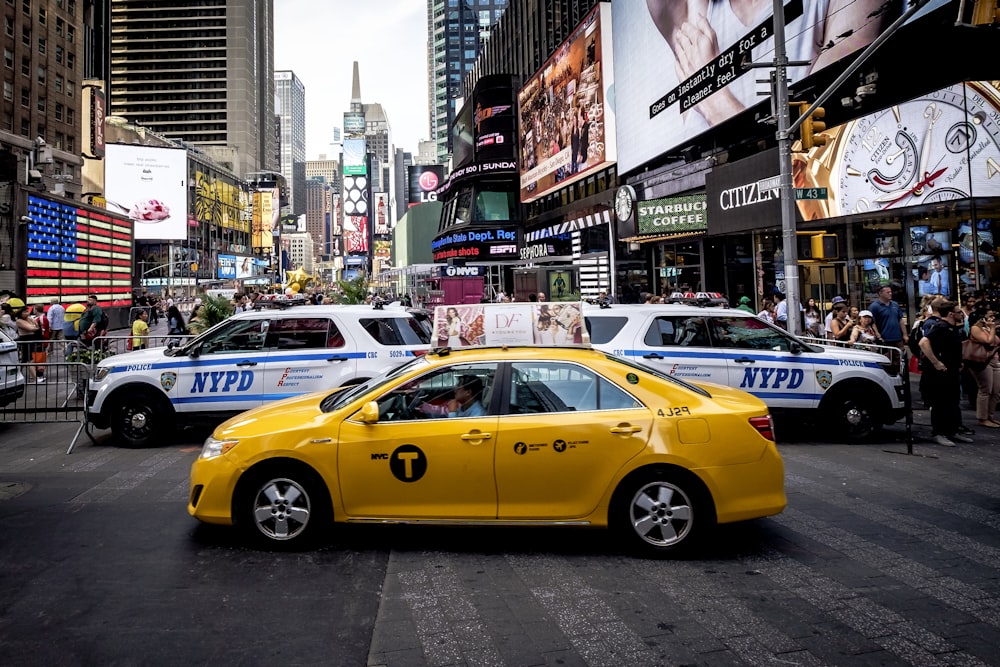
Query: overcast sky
point(319, 40)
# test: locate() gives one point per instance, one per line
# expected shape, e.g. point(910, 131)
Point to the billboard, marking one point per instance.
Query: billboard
point(73, 252)
point(668, 91)
point(938, 147)
point(381, 213)
point(353, 158)
point(423, 181)
point(567, 123)
point(149, 185)
point(261, 234)
point(354, 122)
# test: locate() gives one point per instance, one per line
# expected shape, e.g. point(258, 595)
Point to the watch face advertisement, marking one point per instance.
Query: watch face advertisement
point(423, 181)
point(668, 90)
point(567, 124)
point(149, 185)
point(935, 148)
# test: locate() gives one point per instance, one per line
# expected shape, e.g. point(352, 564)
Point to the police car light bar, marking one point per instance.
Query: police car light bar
point(278, 301)
point(535, 324)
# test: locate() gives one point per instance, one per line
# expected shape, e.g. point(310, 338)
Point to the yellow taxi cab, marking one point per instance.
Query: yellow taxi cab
point(501, 434)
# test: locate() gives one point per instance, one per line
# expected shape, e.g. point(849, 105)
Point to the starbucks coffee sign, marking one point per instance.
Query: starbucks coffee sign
point(672, 214)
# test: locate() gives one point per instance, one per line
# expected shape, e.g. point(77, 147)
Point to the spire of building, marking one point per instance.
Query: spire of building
point(356, 86)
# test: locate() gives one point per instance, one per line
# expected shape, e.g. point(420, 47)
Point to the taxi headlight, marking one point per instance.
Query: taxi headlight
point(213, 447)
point(101, 373)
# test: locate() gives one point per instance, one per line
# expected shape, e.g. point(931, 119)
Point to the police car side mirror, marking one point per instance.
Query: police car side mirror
point(368, 414)
point(795, 347)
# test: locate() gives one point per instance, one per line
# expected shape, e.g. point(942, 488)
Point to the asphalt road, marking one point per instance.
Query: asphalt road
point(882, 558)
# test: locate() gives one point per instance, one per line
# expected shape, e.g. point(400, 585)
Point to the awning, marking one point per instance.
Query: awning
point(679, 236)
point(592, 220)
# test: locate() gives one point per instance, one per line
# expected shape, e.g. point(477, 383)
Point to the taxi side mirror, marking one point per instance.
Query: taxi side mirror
point(368, 414)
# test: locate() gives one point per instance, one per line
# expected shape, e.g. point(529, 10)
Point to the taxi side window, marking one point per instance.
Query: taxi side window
point(748, 333)
point(301, 333)
point(538, 387)
point(428, 396)
point(237, 336)
point(678, 331)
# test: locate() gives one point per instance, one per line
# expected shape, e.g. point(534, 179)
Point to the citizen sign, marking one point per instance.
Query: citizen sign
point(745, 195)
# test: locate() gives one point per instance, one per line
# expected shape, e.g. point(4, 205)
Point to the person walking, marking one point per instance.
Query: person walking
point(888, 317)
point(942, 366)
point(57, 316)
point(175, 322)
point(983, 335)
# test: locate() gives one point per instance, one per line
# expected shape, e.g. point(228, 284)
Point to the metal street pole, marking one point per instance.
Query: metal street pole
point(786, 195)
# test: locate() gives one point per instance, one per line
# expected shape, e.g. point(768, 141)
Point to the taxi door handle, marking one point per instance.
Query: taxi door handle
point(626, 428)
point(246, 363)
point(476, 436)
point(744, 360)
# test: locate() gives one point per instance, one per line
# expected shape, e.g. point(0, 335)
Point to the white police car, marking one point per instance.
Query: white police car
point(250, 359)
point(855, 391)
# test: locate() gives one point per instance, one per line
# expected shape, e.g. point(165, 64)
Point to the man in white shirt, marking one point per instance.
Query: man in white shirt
point(939, 277)
point(780, 310)
point(57, 316)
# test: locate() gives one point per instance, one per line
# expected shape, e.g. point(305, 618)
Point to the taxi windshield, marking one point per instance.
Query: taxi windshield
point(341, 398)
point(652, 371)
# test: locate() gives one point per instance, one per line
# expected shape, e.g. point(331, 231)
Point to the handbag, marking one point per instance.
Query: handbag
point(975, 352)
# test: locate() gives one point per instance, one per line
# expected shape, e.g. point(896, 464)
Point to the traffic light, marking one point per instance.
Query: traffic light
point(812, 128)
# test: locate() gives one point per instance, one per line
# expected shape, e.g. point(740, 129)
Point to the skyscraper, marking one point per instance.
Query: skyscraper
point(200, 71)
point(290, 108)
point(456, 29)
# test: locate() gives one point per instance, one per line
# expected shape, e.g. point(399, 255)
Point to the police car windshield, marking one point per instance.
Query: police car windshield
point(339, 399)
point(652, 371)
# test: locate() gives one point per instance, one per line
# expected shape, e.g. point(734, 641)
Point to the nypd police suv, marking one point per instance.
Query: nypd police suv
point(856, 391)
point(248, 360)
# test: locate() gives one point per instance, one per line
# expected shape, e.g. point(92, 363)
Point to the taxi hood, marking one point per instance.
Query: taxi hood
point(297, 413)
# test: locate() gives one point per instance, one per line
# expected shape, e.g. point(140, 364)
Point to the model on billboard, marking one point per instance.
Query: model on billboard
point(698, 31)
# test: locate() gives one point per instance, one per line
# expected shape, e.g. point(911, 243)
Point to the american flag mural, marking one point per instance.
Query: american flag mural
point(73, 252)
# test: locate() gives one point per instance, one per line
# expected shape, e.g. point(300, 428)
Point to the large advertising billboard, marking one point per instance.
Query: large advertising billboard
point(938, 147)
point(353, 161)
point(149, 185)
point(669, 89)
point(423, 181)
point(567, 123)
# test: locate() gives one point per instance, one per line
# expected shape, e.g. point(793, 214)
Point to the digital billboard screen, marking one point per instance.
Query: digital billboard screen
point(567, 126)
point(668, 91)
point(423, 181)
point(149, 185)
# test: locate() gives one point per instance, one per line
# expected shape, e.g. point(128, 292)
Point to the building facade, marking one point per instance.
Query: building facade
point(456, 30)
point(290, 100)
point(199, 71)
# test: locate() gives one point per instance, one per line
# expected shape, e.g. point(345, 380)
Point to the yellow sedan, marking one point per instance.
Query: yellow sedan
point(504, 436)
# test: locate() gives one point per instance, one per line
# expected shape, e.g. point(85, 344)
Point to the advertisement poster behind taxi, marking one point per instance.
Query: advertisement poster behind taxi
point(553, 324)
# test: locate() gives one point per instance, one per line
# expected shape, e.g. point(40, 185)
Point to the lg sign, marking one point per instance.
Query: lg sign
point(423, 180)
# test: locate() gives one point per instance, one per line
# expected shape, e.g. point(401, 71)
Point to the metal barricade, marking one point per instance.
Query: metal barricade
point(48, 392)
point(51, 382)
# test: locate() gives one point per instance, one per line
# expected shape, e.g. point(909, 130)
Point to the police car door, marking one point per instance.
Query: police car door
point(680, 345)
point(224, 372)
point(306, 354)
point(766, 362)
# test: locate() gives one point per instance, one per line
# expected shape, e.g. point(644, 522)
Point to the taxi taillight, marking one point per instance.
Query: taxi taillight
point(419, 353)
point(764, 426)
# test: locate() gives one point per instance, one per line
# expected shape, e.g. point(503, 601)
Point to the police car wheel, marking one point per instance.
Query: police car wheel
point(661, 512)
point(140, 420)
point(853, 419)
point(282, 508)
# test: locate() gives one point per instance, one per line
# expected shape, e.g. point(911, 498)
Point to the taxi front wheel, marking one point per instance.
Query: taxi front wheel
point(282, 508)
point(661, 512)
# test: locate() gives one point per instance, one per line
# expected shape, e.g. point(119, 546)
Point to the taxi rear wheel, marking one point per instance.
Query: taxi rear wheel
point(141, 420)
point(661, 512)
point(282, 507)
